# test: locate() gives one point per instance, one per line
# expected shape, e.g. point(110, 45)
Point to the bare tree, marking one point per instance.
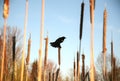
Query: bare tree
point(99, 67)
point(50, 68)
point(10, 32)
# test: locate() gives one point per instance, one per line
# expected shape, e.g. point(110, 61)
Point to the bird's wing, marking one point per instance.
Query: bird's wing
point(60, 40)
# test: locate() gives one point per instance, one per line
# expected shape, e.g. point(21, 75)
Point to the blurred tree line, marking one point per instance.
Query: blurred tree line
point(8, 63)
point(51, 66)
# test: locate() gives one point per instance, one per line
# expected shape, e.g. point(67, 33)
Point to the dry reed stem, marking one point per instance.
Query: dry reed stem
point(112, 53)
point(83, 66)
point(53, 77)
point(46, 51)
point(92, 40)
point(57, 73)
point(112, 57)
point(104, 39)
point(41, 42)
point(14, 44)
point(13, 49)
point(3, 50)
point(28, 54)
point(24, 41)
point(5, 16)
point(28, 57)
point(114, 69)
point(49, 76)
point(74, 70)
point(59, 59)
point(78, 66)
point(45, 58)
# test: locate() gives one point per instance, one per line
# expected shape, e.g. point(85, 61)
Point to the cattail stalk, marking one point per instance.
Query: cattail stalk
point(104, 40)
point(88, 77)
point(1, 42)
point(112, 59)
point(92, 7)
point(5, 16)
point(74, 71)
point(5, 65)
point(81, 29)
point(28, 57)
point(46, 51)
point(57, 73)
point(45, 58)
point(81, 19)
point(83, 66)
point(92, 40)
point(114, 69)
point(13, 49)
point(3, 50)
point(111, 53)
point(49, 76)
point(59, 60)
point(24, 41)
point(78, 66)
point(41, 42)
point(53, 76)
point(28, 54)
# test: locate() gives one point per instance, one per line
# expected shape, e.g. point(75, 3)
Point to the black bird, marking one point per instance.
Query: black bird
point(56, 44)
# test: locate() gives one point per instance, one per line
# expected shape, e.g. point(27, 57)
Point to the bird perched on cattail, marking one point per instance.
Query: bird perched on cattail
point(57, 43)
